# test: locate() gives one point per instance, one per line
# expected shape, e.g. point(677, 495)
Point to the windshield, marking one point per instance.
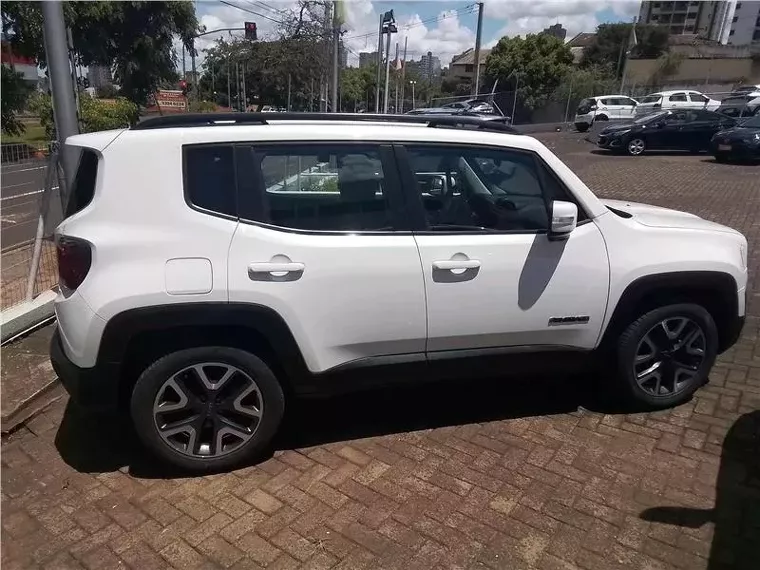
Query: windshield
point(650, 117)
point(651, 99)
point(754, 122)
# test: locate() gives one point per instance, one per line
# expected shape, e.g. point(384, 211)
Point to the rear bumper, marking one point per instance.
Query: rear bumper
point(95, 388)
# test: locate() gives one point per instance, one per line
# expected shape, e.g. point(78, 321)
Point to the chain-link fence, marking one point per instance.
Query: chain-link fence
point(24, 174)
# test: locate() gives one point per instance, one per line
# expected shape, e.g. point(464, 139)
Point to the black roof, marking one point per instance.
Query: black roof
point(463, 120)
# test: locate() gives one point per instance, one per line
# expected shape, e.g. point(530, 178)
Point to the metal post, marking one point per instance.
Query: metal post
point(237, 82)
point(194, 88)
point(64, 105)
point(395, 110)
point(387, 70)
point(229, 83)
point(245, 98)
point(478, 37)
point(403, 75)
point(514, 100)
point(311, 96)
point(336, 68)
point(289, 78)
point(44, 203)
point(379, 59)
point(70, 45)
point(183, 62)
point(414, 105)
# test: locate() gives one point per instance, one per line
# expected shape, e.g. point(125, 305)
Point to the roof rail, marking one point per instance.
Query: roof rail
point(486, 123)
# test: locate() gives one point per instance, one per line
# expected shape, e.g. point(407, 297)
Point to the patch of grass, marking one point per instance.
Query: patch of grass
point(34, 135)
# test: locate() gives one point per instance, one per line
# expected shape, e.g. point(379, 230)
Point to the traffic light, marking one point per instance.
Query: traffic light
point(250, 31)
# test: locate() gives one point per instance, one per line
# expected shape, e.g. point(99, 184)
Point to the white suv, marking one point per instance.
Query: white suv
point(212, 267)
point(604, 108)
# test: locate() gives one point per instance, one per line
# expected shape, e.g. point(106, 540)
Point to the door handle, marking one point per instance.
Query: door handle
point(452, 264)
point(276, 267)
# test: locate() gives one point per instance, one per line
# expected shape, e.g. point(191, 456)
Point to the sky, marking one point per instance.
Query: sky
point(445, 28)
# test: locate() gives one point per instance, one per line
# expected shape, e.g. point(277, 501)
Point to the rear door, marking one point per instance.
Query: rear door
point(678, 101)
point(323, 239)
point(627, 108)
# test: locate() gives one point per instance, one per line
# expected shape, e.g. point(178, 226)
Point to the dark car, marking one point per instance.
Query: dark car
point(677, 129)
point(739, 142)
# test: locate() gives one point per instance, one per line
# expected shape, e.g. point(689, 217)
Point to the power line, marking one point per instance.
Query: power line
point(468, 9)
point(265, 7)
point(252, 12)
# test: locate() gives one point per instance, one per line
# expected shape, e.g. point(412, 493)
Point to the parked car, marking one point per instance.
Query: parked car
point(303, 253)
point(740, 105)
point(604, 108)
point(687, 129)
point(739, 142)
point(479, 106)
point(681, 99)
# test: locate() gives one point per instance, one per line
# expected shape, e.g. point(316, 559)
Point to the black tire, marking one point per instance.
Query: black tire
point(152, 379)
point(581, 127)
point(628, 346)
point(601, 118)
point(721, 157)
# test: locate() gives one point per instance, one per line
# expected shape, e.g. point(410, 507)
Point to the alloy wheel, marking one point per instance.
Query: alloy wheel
point(669, 356)
point(636, 146)
point(208, 409)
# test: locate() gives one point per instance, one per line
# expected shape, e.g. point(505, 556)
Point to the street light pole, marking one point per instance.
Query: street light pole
point(379, 60)
point(54, 28)
point(477, 48)
point(387, 69)
point(413, 83)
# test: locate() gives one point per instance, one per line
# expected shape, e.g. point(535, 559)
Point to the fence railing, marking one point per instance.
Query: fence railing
point(23, 177)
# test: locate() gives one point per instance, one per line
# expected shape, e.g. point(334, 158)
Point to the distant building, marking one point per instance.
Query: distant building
point(463, 65)
point(367, 58)
point(725, 21)
point(557, 31)
point(99, 76)
point(578, 43)
point(430, 66)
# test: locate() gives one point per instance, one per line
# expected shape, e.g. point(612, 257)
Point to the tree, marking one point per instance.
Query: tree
point(536, 63)
point(15, 94)
point(96, 114)
point(136, 38)
point(612, 39)
point(357, 87)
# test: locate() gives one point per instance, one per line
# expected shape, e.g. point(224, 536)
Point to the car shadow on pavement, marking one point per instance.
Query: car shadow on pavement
point(95, 444)
point(736, 514)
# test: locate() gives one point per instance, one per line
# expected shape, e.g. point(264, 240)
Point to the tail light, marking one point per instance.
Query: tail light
point(74, 259)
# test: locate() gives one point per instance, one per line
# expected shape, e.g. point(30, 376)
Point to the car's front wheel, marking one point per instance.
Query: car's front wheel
point(636, 146)
point(207, 408)
point(666, 354)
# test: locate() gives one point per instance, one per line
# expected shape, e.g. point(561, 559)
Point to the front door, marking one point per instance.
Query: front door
point(492, 276)
point(318, 242)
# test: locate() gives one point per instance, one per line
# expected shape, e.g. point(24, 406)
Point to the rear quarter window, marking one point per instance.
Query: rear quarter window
point(209, 178)
point(83, 189)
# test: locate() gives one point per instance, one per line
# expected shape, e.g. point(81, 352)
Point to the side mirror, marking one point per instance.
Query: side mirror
point(564, 218)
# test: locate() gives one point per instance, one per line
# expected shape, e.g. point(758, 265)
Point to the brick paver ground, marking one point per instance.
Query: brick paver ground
point(528, 474)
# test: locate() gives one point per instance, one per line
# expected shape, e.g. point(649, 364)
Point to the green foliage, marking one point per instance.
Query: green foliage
point(107, 91)
point(135, 37)
point(611, 39)
point(357, 85)
point(15, 93)
point(96, 114)
point(202, 106)
point(586, 82)
point(539, 61)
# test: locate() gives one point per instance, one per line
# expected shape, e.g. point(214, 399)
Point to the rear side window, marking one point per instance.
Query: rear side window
point(678, 97)
point(209, 177)
point(83, 189)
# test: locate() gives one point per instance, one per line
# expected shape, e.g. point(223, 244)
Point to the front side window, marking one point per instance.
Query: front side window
point(698, 98)
point(322, 188)
point(210, 178)
point(467, 188)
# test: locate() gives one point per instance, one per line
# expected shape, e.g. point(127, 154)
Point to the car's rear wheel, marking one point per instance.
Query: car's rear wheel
point(721, 157)
point(207, 408)
point(601, 118)
point(636, 146)
point(666, 354)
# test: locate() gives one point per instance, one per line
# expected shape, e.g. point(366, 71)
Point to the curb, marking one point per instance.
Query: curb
point(31, 406)
point(21, 317)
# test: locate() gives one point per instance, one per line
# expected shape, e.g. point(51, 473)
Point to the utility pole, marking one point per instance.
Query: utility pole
point(403, 74)
point(54, 28)
point(478, 37)
point(379, 60)
point(229, 82)
point(194, 87)
point(336, 68)
point(72, 59)
point(387, 69)
point(245, 101)
point(237, 82)
point(289, 76)
point(395, 110)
